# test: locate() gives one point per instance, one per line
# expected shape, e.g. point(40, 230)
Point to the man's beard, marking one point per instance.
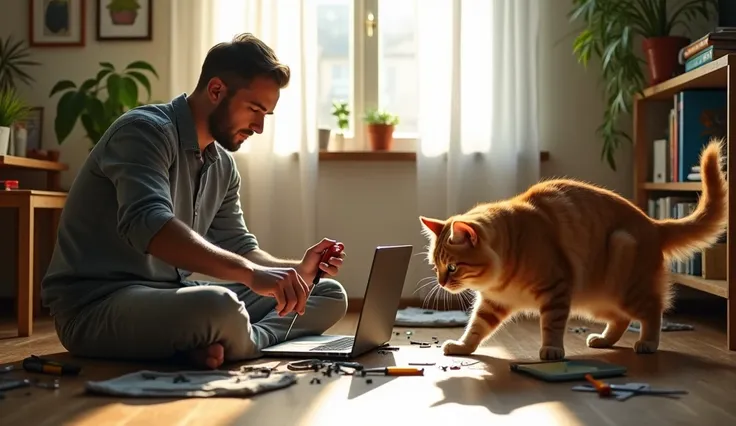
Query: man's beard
point(220, 127)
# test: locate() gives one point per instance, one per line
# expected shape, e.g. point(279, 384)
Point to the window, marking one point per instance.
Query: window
point(366, 65)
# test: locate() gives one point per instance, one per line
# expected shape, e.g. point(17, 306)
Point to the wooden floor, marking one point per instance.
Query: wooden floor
point(482, 393)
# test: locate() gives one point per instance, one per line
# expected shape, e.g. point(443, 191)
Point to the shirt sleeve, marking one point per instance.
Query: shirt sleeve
point(136, 158)
point(228, 229)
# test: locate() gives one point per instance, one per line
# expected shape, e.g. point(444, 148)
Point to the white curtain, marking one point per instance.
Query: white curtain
point(278, 191)
point(478, 114)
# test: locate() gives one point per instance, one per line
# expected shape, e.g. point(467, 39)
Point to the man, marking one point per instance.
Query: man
point(158, 199)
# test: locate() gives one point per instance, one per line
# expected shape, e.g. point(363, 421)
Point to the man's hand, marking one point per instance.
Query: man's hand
point(284, 284)
point(310, 263)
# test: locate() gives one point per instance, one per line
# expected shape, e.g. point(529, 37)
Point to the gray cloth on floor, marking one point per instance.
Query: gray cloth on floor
point(666, 326)
point(418, 317)
point(197, 384)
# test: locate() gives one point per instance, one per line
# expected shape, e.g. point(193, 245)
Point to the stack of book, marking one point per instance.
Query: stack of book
point(720, 42)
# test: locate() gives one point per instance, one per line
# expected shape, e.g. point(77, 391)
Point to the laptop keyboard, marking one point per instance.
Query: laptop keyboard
point(336, 345)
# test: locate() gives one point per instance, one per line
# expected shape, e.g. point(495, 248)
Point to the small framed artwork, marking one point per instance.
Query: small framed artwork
point(33, 124)
point(56, 23)
point(124, 20)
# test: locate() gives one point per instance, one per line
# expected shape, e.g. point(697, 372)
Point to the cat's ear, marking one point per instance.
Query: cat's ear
point(463, 233)
point(434, 226)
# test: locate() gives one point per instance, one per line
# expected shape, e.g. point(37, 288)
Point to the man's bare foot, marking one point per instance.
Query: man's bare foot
point(210, 357)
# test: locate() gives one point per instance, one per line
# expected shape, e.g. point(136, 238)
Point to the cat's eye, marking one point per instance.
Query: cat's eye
point(452, 267)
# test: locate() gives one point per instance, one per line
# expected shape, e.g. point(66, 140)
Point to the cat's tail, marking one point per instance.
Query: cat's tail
point(681, 238)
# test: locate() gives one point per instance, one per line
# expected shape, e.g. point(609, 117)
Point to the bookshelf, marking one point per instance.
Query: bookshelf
point(651, 115)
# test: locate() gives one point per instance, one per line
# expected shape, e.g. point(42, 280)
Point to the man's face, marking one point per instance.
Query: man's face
point(241, 113)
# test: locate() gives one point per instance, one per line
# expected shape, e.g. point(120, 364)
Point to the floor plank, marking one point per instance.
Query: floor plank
point(486, 391)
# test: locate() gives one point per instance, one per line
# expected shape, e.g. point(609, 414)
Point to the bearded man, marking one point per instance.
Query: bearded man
point(157, 199)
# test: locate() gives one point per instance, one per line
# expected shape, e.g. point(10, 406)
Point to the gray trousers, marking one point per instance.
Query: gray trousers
point(145, 323)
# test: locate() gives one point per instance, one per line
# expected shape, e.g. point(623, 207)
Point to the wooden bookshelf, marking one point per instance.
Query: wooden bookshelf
point(31, 163)
point(672, 186)
point(651, 114)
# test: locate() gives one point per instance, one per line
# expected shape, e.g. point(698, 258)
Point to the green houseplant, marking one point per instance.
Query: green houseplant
point(12, 109)
point(123, 12)
point(14, 57)
point(86, 103)
point(610, 31)
point(381, 126)
point(341, 112)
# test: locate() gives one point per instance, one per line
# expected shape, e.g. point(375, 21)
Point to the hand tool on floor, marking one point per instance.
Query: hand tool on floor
point(317, 364)
point(335, 250)
point(394, 371)
point(37, 364)
point(624, 391)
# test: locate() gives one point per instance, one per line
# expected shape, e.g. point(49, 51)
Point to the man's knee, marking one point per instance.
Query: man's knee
point(333, 297)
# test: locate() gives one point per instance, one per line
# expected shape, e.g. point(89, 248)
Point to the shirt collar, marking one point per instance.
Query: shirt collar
point(187, 129)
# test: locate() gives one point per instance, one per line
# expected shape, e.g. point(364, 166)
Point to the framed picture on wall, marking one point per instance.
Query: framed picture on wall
point(56, 23)
point(126, 20)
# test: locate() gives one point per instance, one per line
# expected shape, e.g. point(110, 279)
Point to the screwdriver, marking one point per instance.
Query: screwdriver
point(335, 250)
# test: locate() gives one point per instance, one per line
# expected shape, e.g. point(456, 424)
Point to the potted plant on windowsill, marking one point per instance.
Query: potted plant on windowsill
point(610, 31)
point(381, 125)
point(341, 112)
point(12, 109)
point(123, 12)
point(86, 104)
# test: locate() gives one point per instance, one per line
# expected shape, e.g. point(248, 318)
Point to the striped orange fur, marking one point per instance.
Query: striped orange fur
point(566, 247)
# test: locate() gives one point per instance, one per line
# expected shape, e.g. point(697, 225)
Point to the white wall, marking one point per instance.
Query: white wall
point(362, 204)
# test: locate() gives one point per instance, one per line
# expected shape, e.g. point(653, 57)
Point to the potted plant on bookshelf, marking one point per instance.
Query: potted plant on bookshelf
point(611, 28)
point(12, 109)
point(381, 126)
point(14, 58)
point(341, 112)
point(87, 104)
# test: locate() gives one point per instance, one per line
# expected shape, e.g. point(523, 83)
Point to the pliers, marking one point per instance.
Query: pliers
point(317, 364)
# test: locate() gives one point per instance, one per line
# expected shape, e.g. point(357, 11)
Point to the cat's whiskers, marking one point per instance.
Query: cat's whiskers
point(430, 280)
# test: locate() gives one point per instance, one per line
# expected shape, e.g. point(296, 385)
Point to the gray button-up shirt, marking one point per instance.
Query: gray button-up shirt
point(146, 169)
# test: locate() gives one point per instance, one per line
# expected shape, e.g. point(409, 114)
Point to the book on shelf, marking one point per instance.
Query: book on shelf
point(709, 54)
point(721, 38)
point(674, 207)
point(697, 116)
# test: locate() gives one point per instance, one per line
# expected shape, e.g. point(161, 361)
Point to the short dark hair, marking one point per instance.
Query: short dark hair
point(241, 60)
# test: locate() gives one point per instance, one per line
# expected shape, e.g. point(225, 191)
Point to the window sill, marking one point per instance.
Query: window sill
point(385, 156)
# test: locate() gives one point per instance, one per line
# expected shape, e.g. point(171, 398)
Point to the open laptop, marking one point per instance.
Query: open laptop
point(377, 317)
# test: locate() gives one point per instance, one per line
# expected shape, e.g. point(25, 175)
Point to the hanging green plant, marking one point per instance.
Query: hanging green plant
point(611, 28)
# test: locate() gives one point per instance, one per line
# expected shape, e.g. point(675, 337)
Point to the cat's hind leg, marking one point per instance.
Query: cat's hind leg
point(622, 249)
point(646, 301)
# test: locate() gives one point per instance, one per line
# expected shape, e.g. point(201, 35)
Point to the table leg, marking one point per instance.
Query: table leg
point(25, 269)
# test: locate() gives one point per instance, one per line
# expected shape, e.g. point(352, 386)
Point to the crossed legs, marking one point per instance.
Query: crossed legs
point(210, 322)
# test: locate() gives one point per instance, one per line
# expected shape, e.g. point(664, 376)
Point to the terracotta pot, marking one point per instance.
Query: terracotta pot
point(381, 136)
point(661, 54)
point(123, 17)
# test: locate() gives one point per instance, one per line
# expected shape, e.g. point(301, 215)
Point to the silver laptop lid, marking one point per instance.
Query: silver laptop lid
point(382, 297)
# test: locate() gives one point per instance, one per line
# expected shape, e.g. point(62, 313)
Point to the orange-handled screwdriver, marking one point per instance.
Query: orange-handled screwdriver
point(603, 388)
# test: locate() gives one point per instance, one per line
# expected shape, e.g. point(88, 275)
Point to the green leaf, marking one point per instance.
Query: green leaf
point(62, 85)
point(114, 87)
point(102, 74)
point(142, 65)
point(143, 80)
point(88, 84)
point(107, 65)
point(69, 108)
point(128, 92)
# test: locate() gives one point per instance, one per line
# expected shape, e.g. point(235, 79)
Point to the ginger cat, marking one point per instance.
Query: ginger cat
point(566, 248)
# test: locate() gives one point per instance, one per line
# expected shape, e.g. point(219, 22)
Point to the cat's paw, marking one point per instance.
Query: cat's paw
point(455, 347)
point(597, 341)
point(551, 353)
point(646, 347)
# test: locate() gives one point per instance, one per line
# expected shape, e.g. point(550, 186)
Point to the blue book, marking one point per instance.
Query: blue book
point(701, 117)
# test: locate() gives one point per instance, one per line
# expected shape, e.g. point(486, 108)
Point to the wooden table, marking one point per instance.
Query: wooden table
point(26, 202)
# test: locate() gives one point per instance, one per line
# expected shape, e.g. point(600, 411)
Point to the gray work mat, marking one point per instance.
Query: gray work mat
point(191, 384)
point(418, 317)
